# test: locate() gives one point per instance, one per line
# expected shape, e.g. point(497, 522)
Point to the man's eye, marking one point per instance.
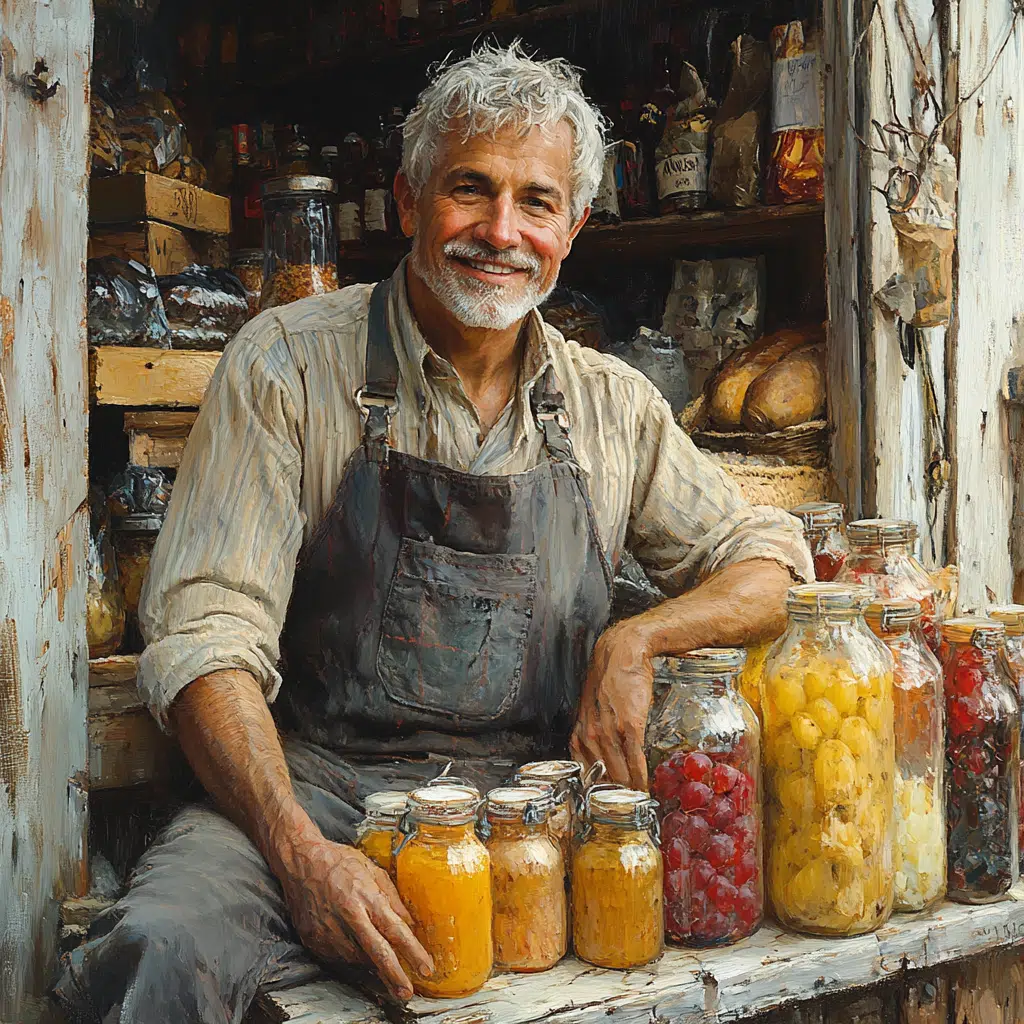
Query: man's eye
point(467, 190)
point(537, 203)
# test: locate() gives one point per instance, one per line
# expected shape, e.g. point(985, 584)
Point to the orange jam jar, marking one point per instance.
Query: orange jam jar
point(527, 880)
point(375, 837)
point(618, 913)
point(443, 875)
point(569, 783)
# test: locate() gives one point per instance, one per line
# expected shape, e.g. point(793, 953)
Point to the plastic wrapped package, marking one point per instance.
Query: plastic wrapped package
point(735, 176)
point(796, 168)
point(377, 833)
point(577, 317)
point(527, 880)
point(704, 754)
point(919, 850)
point(151, 132)
point(205, 307)
point(104, 598)
point(829, 766)
point(105, 152)
point(982, 762)
point(443, 876)
point(617, 903)
point(124, 304)
point(662, 359)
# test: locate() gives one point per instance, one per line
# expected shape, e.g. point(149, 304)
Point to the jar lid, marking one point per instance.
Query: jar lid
point(817, 515)
point(299, 183)
point(1010, 615)
point(246, 256)
point(387, 804)
point(973, 629)
point(882, 531)
point(444, 804)
point(616, 805)
point(139, 522)
point(529, 804)
point(892, 614)
point(828, 597)
point(550, 771)
point(713, 660)
point(328, 150)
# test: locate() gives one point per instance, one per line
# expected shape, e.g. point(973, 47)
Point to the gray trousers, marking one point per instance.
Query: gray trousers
point(203, 923)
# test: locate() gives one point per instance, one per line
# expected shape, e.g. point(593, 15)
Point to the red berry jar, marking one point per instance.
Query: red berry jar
point(982, 762)
point(882, 558)
point(823, 531)
point(704, 756)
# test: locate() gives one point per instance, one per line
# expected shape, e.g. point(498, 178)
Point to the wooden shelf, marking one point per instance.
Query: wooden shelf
point(130, 198)
point(149, 377)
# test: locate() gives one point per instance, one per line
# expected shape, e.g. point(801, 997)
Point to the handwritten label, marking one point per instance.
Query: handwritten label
point(682, 172)
point(796, 93)
point(349, 227)
point(186, 202)
point(375, 216)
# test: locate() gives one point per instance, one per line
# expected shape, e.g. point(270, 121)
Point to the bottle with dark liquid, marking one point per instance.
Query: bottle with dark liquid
point(631, 173)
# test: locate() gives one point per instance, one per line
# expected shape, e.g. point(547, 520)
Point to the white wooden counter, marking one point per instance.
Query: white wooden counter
point(767, 971)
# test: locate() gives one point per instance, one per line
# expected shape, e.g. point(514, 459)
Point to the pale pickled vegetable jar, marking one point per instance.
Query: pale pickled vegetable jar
point(1012, 618)
point(823, 531)
point(376, 835)
point(443, 876)
point(567, 781)
point(882, 558)
point(982, 762)
point(527, 880)
point(919, 851)
point(704, 756)
point(829, 764)
point(617, 881)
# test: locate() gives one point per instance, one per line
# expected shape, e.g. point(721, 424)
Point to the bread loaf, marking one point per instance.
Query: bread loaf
point(790, 392)
point(727, 389)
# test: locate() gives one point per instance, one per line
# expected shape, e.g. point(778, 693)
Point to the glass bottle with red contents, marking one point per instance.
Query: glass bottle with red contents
point(1012, 618)
point(882, 557)
point(705, 768)
point(982, 762)
point(823, 531)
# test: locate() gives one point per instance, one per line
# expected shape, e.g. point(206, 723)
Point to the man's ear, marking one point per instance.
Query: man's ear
point(575, 230)
point(405, 200)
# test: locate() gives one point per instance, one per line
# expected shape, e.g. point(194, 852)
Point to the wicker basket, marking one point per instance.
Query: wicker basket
point(782, 486)
point(803, 445)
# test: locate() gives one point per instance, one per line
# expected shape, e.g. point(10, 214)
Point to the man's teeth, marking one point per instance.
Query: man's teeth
point(491, 268)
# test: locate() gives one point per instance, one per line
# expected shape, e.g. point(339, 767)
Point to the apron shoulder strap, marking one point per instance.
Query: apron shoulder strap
point(378, 397)
point(548, 404)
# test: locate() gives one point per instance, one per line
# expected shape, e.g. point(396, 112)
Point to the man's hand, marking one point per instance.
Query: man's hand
point(346, 908)
point(614, 706)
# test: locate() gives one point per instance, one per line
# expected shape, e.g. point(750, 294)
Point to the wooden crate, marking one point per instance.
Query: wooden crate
point(157, 438)
point(166, 249)
point(130, 198)
point(149, 377)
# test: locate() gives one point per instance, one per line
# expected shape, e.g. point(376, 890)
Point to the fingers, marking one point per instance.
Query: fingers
point(636, 762)
point(592, 743)
point(381, 955)
point(401, 937)
point(388, 888)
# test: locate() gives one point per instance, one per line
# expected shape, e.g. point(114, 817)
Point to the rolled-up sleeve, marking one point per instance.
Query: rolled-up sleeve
point(688, 519)
point(221, 575)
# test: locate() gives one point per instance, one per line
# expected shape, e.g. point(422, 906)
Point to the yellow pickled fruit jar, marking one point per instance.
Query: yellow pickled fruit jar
point(829, 765)
point(618, 917)
point(375, 837)
point(919, 850)
point(749, 682)
point(443, 875)
point(568, 783)
point(527, 880)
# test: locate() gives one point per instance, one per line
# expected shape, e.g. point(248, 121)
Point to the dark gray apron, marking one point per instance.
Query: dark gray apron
point(436, 611)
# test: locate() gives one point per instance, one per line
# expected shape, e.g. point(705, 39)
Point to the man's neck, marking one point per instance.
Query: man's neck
point(487, 361)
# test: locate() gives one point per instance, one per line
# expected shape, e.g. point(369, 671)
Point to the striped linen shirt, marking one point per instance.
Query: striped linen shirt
point(279, 422)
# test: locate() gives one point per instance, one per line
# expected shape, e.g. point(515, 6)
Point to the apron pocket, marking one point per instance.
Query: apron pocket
point(454, 630)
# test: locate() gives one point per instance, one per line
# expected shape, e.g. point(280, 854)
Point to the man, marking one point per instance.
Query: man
point(413, 497)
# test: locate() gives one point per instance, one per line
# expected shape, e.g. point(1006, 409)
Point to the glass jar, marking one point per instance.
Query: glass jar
point(527, 880)
point(618, 916)
point(1012, 618)
point(882, 557)
point(568, 781)
point(299, 244)
point(823, 531)
point(829, 764)
point(982, 762)
point(443, 876)
point(704, 755)
point(919, 851)
point(247, 266)
point(377, 832)
point(104, 598)
point(749, 684)
point(134, 540)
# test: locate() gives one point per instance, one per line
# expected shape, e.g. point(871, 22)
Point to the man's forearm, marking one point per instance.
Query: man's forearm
point(740, 606)
point(229, 737)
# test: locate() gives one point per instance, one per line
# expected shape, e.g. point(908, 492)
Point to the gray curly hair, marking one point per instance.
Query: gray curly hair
point(496, 88)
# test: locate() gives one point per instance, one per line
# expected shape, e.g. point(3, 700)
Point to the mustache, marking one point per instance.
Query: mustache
point(487, 254)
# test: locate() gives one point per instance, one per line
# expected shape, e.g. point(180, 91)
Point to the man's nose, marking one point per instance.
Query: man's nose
point(500, 228)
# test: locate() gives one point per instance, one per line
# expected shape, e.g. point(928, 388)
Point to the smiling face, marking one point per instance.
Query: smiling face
point(493, 224)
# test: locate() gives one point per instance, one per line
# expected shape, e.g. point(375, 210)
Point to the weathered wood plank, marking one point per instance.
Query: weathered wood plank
point(121, 668)
point(43, 524)
point(166, 249)
point(925, 1001)
point(129, 198)
point(158, 438)
point(990, 990)
point(150, 376)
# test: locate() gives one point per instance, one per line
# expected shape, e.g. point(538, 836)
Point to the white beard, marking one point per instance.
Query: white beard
point(480, 303)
